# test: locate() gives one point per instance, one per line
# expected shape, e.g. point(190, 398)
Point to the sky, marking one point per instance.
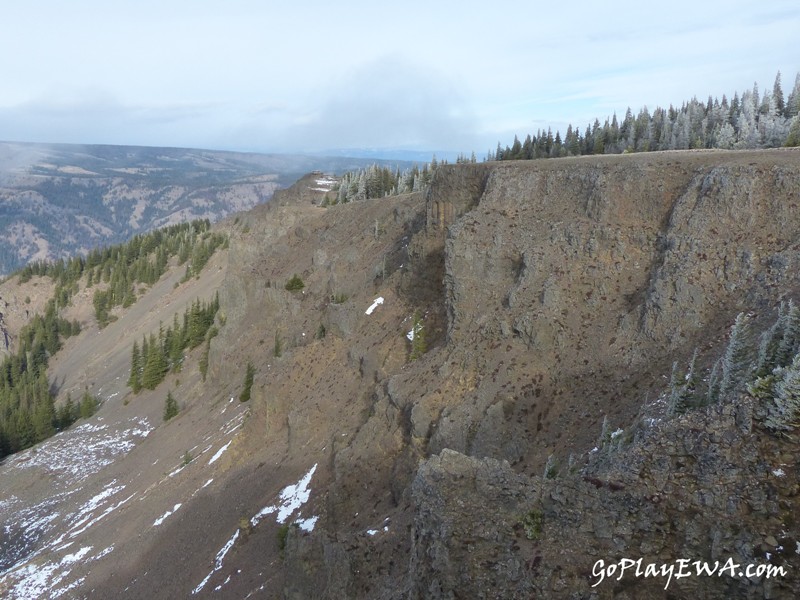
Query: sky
point(314, 75)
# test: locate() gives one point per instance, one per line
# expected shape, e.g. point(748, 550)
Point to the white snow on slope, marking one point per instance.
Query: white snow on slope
point(35, 581)
point(169, 513)
point(82, 451)
point(290, 499)
point(307, 524)
point(69, 458)
point(374, 305)
point(219, 453)
point(324, 184)
point(217, 562)
point(294, 496)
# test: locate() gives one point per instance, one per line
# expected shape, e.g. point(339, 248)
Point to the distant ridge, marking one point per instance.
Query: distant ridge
point(58, 200)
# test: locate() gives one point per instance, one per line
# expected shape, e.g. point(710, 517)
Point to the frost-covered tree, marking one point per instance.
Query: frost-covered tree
point(792, 108)
point(736, 362)
point(747, 122)
point(777, 95)
point(769, 344)
point(790, 338)
point(750, 120)
point(784, 412)
point(682, 388)
point(793, 138)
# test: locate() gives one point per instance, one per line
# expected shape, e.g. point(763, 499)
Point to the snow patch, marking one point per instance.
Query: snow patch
point(779, 472)
point(167, 514)
point(294, 496)
point(374, 305)
point(324, 185)
point(307, 524)
point(217, 562)
point(290, 499)
point(105, 552)
point(82, 451)
point(103, 515)
point(267, 510)
point(35, 581)
point(219, 453)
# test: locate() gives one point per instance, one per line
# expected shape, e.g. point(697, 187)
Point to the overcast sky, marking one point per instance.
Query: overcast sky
point(314, 75)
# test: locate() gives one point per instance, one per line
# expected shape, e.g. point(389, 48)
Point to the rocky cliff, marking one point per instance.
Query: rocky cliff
point(523, 436)
point(570, 288)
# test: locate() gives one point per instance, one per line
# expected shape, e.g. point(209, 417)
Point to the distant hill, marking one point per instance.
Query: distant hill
point(60, 200)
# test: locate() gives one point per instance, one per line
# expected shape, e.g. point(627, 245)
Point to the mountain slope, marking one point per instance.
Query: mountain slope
point(60, 200)
point(552, 295)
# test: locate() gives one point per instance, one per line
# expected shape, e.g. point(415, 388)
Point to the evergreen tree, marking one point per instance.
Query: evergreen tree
point(44, 418)
point(769, 344)
point(88, 405)
point(176, 344)
point(793, 139)
point(155, 367)
point(135, 379)
point(170, 407)
point(25, 432)
point(736, 362)
point(68, 413)
point(682, 389)
point(203, 364)
point(712, 395)
point(248, 383)
point(788, 345)
point(784, 412)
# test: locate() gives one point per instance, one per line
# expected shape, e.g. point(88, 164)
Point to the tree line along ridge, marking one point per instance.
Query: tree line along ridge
point(752, 120)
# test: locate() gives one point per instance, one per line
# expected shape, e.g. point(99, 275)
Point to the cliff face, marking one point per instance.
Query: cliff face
point(570, 288)
point(597, 275)
point(552, 295)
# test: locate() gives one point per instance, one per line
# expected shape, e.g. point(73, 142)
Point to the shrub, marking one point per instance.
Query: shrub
point(532, 524)
point(283, 533)
point(295, 284)
point(417, 336)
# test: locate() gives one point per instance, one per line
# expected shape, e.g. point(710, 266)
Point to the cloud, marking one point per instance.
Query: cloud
point(96, 117)
point(385, 103)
